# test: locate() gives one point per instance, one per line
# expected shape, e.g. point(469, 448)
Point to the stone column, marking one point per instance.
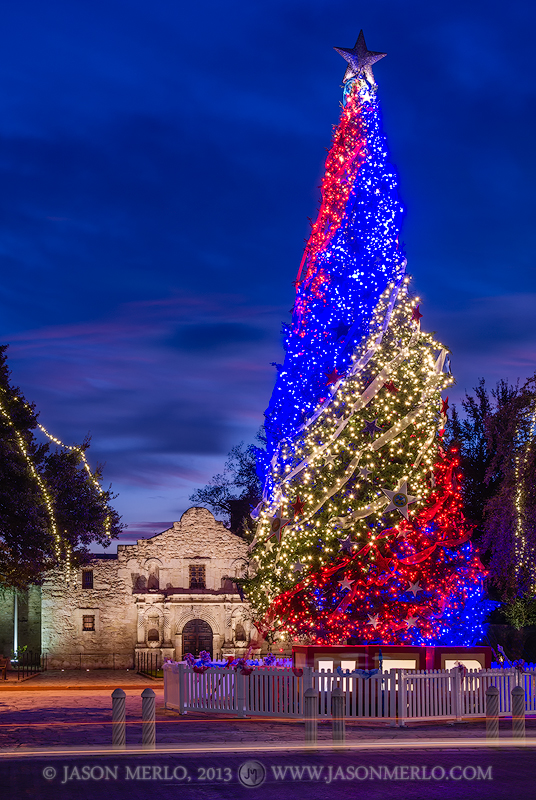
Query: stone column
point(167, 628)
point(217, 644)
point(228, 627)
point(141, 628)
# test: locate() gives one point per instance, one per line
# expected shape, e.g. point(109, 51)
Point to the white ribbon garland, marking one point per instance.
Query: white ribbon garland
point(363, 361)
point(376, 445)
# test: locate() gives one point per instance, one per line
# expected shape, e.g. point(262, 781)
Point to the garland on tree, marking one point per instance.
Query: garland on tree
point(361, 534)
point(337, 553)
point(352, 254)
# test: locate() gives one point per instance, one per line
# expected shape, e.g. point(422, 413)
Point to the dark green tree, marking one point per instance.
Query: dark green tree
point(51, 507)
point(496, 437)
point(233, 493)
point(476, 433)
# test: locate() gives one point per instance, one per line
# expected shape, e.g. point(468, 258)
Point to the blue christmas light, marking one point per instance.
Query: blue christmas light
point(340, 284)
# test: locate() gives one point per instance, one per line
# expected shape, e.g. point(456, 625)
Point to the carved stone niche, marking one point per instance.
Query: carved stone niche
point(240, 634)
point(153, 634)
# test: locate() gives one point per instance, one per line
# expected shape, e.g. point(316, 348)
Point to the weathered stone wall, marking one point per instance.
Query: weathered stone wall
point(197, 539)
point(146, 589)
point(6, 623)
point(29, 620)
point(64, 605)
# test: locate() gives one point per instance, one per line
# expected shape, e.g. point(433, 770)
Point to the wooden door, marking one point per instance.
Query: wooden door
point(196, 636)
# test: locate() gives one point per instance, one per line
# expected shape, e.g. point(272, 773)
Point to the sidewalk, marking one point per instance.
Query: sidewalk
point(73, 708)
point(85, 680)
point(58, 718)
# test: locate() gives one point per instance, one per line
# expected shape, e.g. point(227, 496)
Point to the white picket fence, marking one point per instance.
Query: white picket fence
point(395, 696)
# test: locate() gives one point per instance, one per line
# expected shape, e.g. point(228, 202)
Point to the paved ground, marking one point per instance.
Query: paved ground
point(88, 679)
point(54, 743)
point(82, 717)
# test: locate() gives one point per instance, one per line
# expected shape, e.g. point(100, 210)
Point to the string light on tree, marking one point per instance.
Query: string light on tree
point(354, 426)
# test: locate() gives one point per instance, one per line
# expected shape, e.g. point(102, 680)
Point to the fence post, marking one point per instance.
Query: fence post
point(456, 693)
point(183, 698)
point(119, 733)
point(148, 718)
point(337, 714)
point(240, 693)
point(390, 678)
point(310, 706)
point(492, 712)
point(307, 677)
point(402, 699)
point(518, 712)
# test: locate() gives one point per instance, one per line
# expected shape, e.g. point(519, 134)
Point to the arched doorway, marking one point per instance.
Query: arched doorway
point(196, 636)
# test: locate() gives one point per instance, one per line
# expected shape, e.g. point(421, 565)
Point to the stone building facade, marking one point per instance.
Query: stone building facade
point(167, 595)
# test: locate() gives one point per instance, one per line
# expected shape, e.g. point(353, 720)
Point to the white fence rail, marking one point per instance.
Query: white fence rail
point(396, 696)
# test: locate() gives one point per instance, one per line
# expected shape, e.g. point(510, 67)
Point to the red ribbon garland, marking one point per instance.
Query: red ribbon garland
point(424, 517)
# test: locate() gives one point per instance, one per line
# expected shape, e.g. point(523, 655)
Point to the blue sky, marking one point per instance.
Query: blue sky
point(158, 165)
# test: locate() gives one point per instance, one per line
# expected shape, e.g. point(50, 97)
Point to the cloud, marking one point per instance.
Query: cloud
point(203, 338)
point(157, 174)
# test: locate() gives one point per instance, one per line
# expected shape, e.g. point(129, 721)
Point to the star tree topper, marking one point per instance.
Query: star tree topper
point(360, 60)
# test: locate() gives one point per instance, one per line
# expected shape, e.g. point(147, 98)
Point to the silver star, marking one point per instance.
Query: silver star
point(411, 622)
point(400, 499)
point(364, 472)
point(269, 546)
point(298, 567)
point(329, 459)
point(360, 60)
point(373, 620)
point(414, 588)
point(346, 584)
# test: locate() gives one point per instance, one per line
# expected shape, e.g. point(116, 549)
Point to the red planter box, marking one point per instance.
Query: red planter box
point(366, 656)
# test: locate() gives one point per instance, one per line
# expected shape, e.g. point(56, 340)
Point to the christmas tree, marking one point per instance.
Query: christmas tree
point(361, 534)
point(352, 254)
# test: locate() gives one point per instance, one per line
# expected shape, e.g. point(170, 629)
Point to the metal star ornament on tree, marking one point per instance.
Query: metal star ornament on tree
point(360, 60)
point(332, 377)
point(346, 544)
point(329, 459)
point(297, 507)
point(340, 331)
point(277, 523)
point(374, 620)
point(384, 565)
point(414, 588)
point(400, 499)
point(346, 584)
point(371, 427)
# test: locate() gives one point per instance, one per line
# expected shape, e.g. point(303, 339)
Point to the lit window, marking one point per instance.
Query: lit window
point(87, 579)
point(197, 576)
point(88, 622)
